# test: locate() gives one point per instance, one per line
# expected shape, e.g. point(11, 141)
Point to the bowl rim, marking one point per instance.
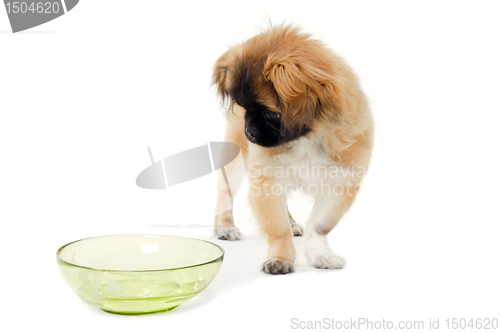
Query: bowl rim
point(219, 258)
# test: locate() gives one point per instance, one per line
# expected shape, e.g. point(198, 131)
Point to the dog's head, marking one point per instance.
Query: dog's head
point(284, 80)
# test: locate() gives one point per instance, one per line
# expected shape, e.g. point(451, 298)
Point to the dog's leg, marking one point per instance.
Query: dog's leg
point(271, 212)
point(228, 184)
point(224, 221)
point(297, 229)
point(326, 213)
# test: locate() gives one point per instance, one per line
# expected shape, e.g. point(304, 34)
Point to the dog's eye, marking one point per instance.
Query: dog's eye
point(271, 115)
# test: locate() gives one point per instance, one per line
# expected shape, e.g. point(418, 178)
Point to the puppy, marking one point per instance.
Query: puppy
point(302, 123)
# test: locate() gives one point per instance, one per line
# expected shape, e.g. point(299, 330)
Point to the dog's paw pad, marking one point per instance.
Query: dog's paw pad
point(297, 229)
point(228, 233)
point(277, 266)
point(331, 261)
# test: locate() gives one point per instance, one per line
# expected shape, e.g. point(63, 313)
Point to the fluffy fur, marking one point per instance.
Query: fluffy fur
point(302, 122)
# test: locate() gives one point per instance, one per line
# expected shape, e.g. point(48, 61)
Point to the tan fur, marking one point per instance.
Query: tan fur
point(316, 89)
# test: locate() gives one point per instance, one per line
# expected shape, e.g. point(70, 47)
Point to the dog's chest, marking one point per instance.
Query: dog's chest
point(301, 158)
point(302, 151)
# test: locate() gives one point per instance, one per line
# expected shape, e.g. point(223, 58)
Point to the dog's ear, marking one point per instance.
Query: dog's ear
point(219, 76)
point(306, 88)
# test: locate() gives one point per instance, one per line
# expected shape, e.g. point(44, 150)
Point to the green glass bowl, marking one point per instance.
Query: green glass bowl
point(138, 274)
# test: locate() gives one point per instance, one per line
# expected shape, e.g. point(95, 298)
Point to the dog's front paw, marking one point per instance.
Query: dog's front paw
point(329, 261)
point(228, 233)
point(277, 266)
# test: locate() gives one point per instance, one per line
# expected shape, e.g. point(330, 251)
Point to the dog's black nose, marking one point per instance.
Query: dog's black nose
point(251, 133)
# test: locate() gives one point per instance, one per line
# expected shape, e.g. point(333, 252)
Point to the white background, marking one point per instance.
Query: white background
point(82, 97)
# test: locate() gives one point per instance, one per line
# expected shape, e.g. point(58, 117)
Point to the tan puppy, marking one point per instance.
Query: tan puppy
point(301, 122)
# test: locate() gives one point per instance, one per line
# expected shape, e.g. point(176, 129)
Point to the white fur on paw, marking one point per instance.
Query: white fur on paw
point(329, 261)
point(228, 233)
point(297, 229)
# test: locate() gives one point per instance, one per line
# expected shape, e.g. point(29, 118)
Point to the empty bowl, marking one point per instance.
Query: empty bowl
point(138, 274)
